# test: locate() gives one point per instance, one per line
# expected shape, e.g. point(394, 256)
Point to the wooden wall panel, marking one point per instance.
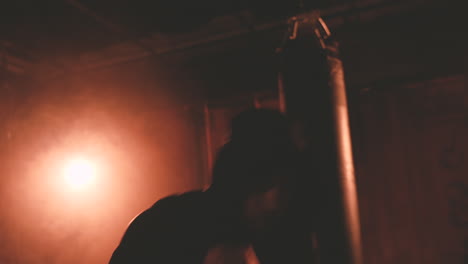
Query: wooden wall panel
point(411, 143)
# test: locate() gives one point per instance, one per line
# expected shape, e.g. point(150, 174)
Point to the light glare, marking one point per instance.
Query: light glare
point(79, 173)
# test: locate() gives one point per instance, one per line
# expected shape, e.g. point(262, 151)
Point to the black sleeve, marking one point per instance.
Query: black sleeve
point(150, 238)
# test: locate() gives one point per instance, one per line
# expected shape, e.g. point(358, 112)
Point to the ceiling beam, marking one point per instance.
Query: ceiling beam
point(109, 25)
point(335, 17)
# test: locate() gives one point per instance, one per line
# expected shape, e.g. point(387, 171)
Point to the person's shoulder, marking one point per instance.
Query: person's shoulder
point(178, 202)
point(161, 229)
point(172, 208)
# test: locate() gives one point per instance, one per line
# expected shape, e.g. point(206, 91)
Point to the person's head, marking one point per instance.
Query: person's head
point(255, 166)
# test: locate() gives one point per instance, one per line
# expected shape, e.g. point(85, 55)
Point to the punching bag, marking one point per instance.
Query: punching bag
point(313, 95)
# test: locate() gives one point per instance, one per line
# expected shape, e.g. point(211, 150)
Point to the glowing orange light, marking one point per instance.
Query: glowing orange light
point(79, 173)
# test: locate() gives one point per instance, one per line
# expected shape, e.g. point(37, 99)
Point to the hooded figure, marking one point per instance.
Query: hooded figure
point(241, 218)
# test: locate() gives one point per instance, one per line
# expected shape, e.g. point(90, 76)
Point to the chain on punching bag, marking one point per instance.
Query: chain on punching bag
point(313, 93)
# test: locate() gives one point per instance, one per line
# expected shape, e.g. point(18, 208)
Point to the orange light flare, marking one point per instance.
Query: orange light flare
point(79, 173)
point(76, 178)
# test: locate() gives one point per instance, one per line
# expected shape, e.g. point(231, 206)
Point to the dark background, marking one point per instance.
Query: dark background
point(132, 84)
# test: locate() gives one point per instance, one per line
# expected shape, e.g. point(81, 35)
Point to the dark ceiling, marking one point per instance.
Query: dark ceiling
point(60, 36)
point(54, 30)
point(36, 29)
